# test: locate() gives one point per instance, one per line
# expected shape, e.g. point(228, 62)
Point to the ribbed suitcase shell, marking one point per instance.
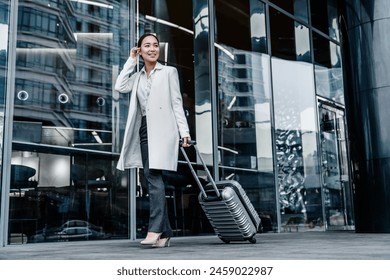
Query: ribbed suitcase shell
point(232, 216)
point(227, 206)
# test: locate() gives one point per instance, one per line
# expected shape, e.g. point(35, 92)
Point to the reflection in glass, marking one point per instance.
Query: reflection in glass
point(245, 125)
point(244, 122)
point(328, 69)
point(324, 17)
point(67, 121)
point(234, 29)
point(52, 192)
point(244, 98)
point(64, 76)
point(258, 27)
point(4, 21)
point(202, 85)
point(296, 144)
point(301, 10)
point(333, 20)
point(334, 168)
point(282, 35)
point(297, 8)
point(289, 39)
point(302, 43)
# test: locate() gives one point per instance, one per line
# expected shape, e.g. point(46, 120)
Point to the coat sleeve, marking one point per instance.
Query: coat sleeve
point(177, 103)
point(124, 82)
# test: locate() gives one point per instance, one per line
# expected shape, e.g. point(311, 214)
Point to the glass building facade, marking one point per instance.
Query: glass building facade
point(263, 84)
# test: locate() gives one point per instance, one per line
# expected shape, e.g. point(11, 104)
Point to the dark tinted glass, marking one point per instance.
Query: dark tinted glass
point(321, 50)
point(287, 5)
point(324, 17)
point(297, 8)
point(233, 20)
point(319, 15)
point(282, 35)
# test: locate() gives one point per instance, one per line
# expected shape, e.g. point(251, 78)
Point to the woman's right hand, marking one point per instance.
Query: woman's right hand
point(134, 52)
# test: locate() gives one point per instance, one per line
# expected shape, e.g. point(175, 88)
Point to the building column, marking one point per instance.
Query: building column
point(367, 24)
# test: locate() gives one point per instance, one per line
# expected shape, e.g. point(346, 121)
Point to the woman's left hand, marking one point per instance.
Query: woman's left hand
point(186, 142)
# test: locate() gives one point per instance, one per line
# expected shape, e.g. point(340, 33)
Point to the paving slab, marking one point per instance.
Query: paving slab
point(269, 246)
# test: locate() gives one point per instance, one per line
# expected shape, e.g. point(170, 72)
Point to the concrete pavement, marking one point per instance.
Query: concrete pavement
point(340, 245)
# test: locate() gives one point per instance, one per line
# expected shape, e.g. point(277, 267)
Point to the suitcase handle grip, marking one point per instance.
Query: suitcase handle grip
point(193, 143)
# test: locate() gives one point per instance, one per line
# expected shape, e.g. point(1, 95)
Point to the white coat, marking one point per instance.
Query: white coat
point(165, 118)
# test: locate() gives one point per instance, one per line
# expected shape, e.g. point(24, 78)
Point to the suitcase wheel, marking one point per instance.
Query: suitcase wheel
point(252, 240)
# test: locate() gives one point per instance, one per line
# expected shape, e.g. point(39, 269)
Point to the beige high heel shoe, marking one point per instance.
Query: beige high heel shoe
point(162, 242)
point(151, 241)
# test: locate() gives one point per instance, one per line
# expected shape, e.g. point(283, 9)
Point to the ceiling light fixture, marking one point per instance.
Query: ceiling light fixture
point(93, 3)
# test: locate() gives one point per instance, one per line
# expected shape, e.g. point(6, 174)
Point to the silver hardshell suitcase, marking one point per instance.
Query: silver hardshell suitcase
point(227, 206)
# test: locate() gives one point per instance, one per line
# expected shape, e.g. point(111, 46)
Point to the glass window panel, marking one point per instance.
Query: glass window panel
point(239, 14)
point(296, 144)
point(333, 19)
point(302, 43)
point(282, 35)
point(289, 39)
point(334, 168)
point(324, 17)
point(287, 5)
point(244, 123)
point(68, 120)
point(233, 30)
point(301, 10)
point(297, 8)
point(243, 109)
point(86, 97)
point(52, 191)
point(203, 118)
point(319, 15)
point(328, 69)
point(321, 47)
point(258, 27)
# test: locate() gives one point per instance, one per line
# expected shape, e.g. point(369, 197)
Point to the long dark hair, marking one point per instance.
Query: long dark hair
point(144, 36)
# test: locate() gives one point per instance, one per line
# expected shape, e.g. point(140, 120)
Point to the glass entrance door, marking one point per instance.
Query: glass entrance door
point(336, 185)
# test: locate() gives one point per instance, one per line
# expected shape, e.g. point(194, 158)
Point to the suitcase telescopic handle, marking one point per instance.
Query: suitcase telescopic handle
point(193, 143)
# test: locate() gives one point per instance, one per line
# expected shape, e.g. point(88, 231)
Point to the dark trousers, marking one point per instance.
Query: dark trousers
point(158, 218)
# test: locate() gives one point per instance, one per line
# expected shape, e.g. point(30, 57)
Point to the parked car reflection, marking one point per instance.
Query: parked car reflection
point(78, 233)
point(72, 230)
point(81, 223)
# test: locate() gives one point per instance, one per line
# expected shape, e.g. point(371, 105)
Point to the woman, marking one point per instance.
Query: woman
point(155, 122)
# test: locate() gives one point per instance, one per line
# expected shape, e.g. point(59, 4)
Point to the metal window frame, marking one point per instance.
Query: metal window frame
point(8, 124)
